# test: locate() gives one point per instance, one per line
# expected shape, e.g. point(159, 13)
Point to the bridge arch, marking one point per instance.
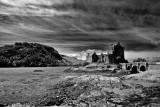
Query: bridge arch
point(134, 70)
point(142, 68)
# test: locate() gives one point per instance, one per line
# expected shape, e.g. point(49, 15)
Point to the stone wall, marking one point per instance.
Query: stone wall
point(154, 67)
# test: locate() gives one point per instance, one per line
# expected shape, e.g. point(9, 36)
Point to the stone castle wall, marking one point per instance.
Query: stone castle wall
point(117, 56)
point(154, 67)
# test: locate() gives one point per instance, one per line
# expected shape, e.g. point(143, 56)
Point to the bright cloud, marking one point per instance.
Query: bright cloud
point(31, 7)
point(20, 3)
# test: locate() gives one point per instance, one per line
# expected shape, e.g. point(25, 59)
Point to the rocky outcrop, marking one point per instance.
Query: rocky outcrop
point(99, 91)
point(153, 76)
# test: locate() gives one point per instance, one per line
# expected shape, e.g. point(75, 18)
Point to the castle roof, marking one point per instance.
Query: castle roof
point(118, 45)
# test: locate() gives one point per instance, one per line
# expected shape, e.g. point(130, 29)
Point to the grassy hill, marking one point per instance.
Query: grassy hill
point(29, 55)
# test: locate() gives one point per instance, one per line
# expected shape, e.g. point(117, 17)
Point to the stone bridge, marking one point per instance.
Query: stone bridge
point(135, 67)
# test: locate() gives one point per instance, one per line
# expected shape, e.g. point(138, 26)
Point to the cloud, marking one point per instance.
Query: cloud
point(21, 3)
point(65, 36)
point(82, 55)
point(75, 29)
point(31, 7)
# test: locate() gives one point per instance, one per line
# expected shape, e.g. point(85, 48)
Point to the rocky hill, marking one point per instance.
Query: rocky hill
point(30, 55)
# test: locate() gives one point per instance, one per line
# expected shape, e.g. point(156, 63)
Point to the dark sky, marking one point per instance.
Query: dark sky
point(73, 32)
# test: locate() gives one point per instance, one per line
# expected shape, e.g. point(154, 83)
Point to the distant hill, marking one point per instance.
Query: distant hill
point(74, 60)
point(30, 55)
point(153, 59)
point(148, 59)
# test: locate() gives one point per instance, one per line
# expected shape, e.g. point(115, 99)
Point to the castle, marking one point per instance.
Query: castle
point(117, 56)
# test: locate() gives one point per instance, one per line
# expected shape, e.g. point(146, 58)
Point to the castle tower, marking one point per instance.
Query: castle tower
point(118, 53)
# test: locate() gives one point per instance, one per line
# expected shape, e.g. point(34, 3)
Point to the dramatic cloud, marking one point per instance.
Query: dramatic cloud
point(21, 3)
point(73, 26)
point(83, 54)
point(31, 7)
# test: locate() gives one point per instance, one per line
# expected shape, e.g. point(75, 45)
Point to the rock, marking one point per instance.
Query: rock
point(83, 105)
point(146, 76)
point(19, 105)
point(38, 71)
point(1, 105)
point(119, 105)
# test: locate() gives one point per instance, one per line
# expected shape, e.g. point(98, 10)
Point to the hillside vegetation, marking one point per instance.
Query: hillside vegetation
point(29, 55)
